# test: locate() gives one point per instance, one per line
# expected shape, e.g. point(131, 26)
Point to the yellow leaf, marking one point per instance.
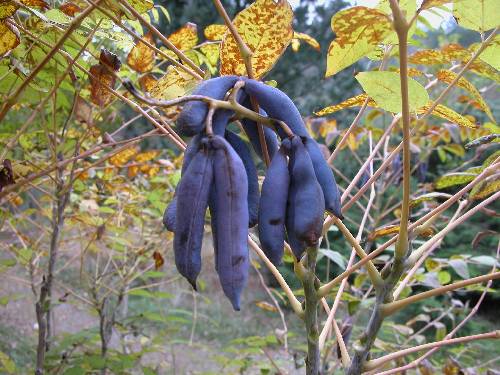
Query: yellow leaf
point(306, 38)
point(121, 158)
point(186, 37)
point(327, 127)
point(295, 45)
point(141, 6)
point(211, 51)
point(142, 58)
point(215, 32)
point(132, 171)
point(490, 53)
point(448, 76)
point(175, 83)
point(359, 30)
point(479, 15)
point(355, 101)
point(266, 306)
point(266, 28)
point(147, 156)
point(9, 38)
point(7, 9)
point(448, 114)
point(147, 82)
point(383, 231)
point(485, 188)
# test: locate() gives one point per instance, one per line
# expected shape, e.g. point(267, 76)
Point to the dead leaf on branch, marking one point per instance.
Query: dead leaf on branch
point(142, 58)
point(6, 174)
point(102, 77)
point(159, 261)
point(266, 28)
point(70, 9)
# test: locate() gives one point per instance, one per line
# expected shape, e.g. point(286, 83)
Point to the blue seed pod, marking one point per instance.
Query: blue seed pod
point(253, 182)
point(191, 120)
point(192, 200)
point(231, 219)
point(274, 202)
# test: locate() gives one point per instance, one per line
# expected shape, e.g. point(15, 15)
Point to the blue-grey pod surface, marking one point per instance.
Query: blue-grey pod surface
point(277, 105)
point(231, 189)
point(325, 177)
point(192, 200)
point(253, 182)
point(273, 201)
point(190, 151)
point(191, 120)
point(307, 199)
point(252, 132)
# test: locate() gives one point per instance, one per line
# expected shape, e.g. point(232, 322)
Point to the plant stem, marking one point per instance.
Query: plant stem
point(311, 312)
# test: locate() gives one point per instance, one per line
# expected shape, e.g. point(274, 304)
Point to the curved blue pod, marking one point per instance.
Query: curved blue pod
point(192, 200)
point(170, 211)
point(253, 181)
point(231, 219)
point(325, 177)
point(306, 197)
point(277, 105)
point(250, 128)
point(274, 199)
point(191, 120)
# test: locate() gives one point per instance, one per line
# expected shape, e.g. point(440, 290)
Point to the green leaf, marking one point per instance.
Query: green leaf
point(485, 260)
point(334, 256)
point(453, 179)
point(7, 363)
point(491, 52)
point(385, 89)
point(460, 267)
point(444, 277)
point(479, 15)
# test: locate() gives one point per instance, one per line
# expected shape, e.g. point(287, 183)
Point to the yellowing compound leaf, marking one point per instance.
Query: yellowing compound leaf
point(297, 37)
point(448, 76)
point(266, 28)
point(359, 31)
point(142, 58)
point(7, 9)
point(102, 77)
point(479, 15)
point(491, 53)
point(186, 37)
point(9, 38)
point(485, 188)
point(355, 101)
point(448, 114)
point(453, 179)
point(175, 83)
point(385, 89)
point(215, 32)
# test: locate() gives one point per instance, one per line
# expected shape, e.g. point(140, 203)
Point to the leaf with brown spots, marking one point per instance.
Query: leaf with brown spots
point(158, 258)
point(297, 37)
point(448, 76)
point(102, 77)
point(449, 114)
point(485, 188)
point(70, 9)
point(147, 82)
point(9, 38)
point(142, 58)
point(6, 174)
point(452, 179)
point(359, 31)
point(266, 28)
point(215, 32)
point(355, 101)
point(186, 37)
point(35, 3)
point(383, 231)
point(174, 84)
point(7, 9)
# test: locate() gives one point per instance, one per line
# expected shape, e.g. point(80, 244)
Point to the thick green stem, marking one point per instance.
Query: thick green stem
point(311, 313)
